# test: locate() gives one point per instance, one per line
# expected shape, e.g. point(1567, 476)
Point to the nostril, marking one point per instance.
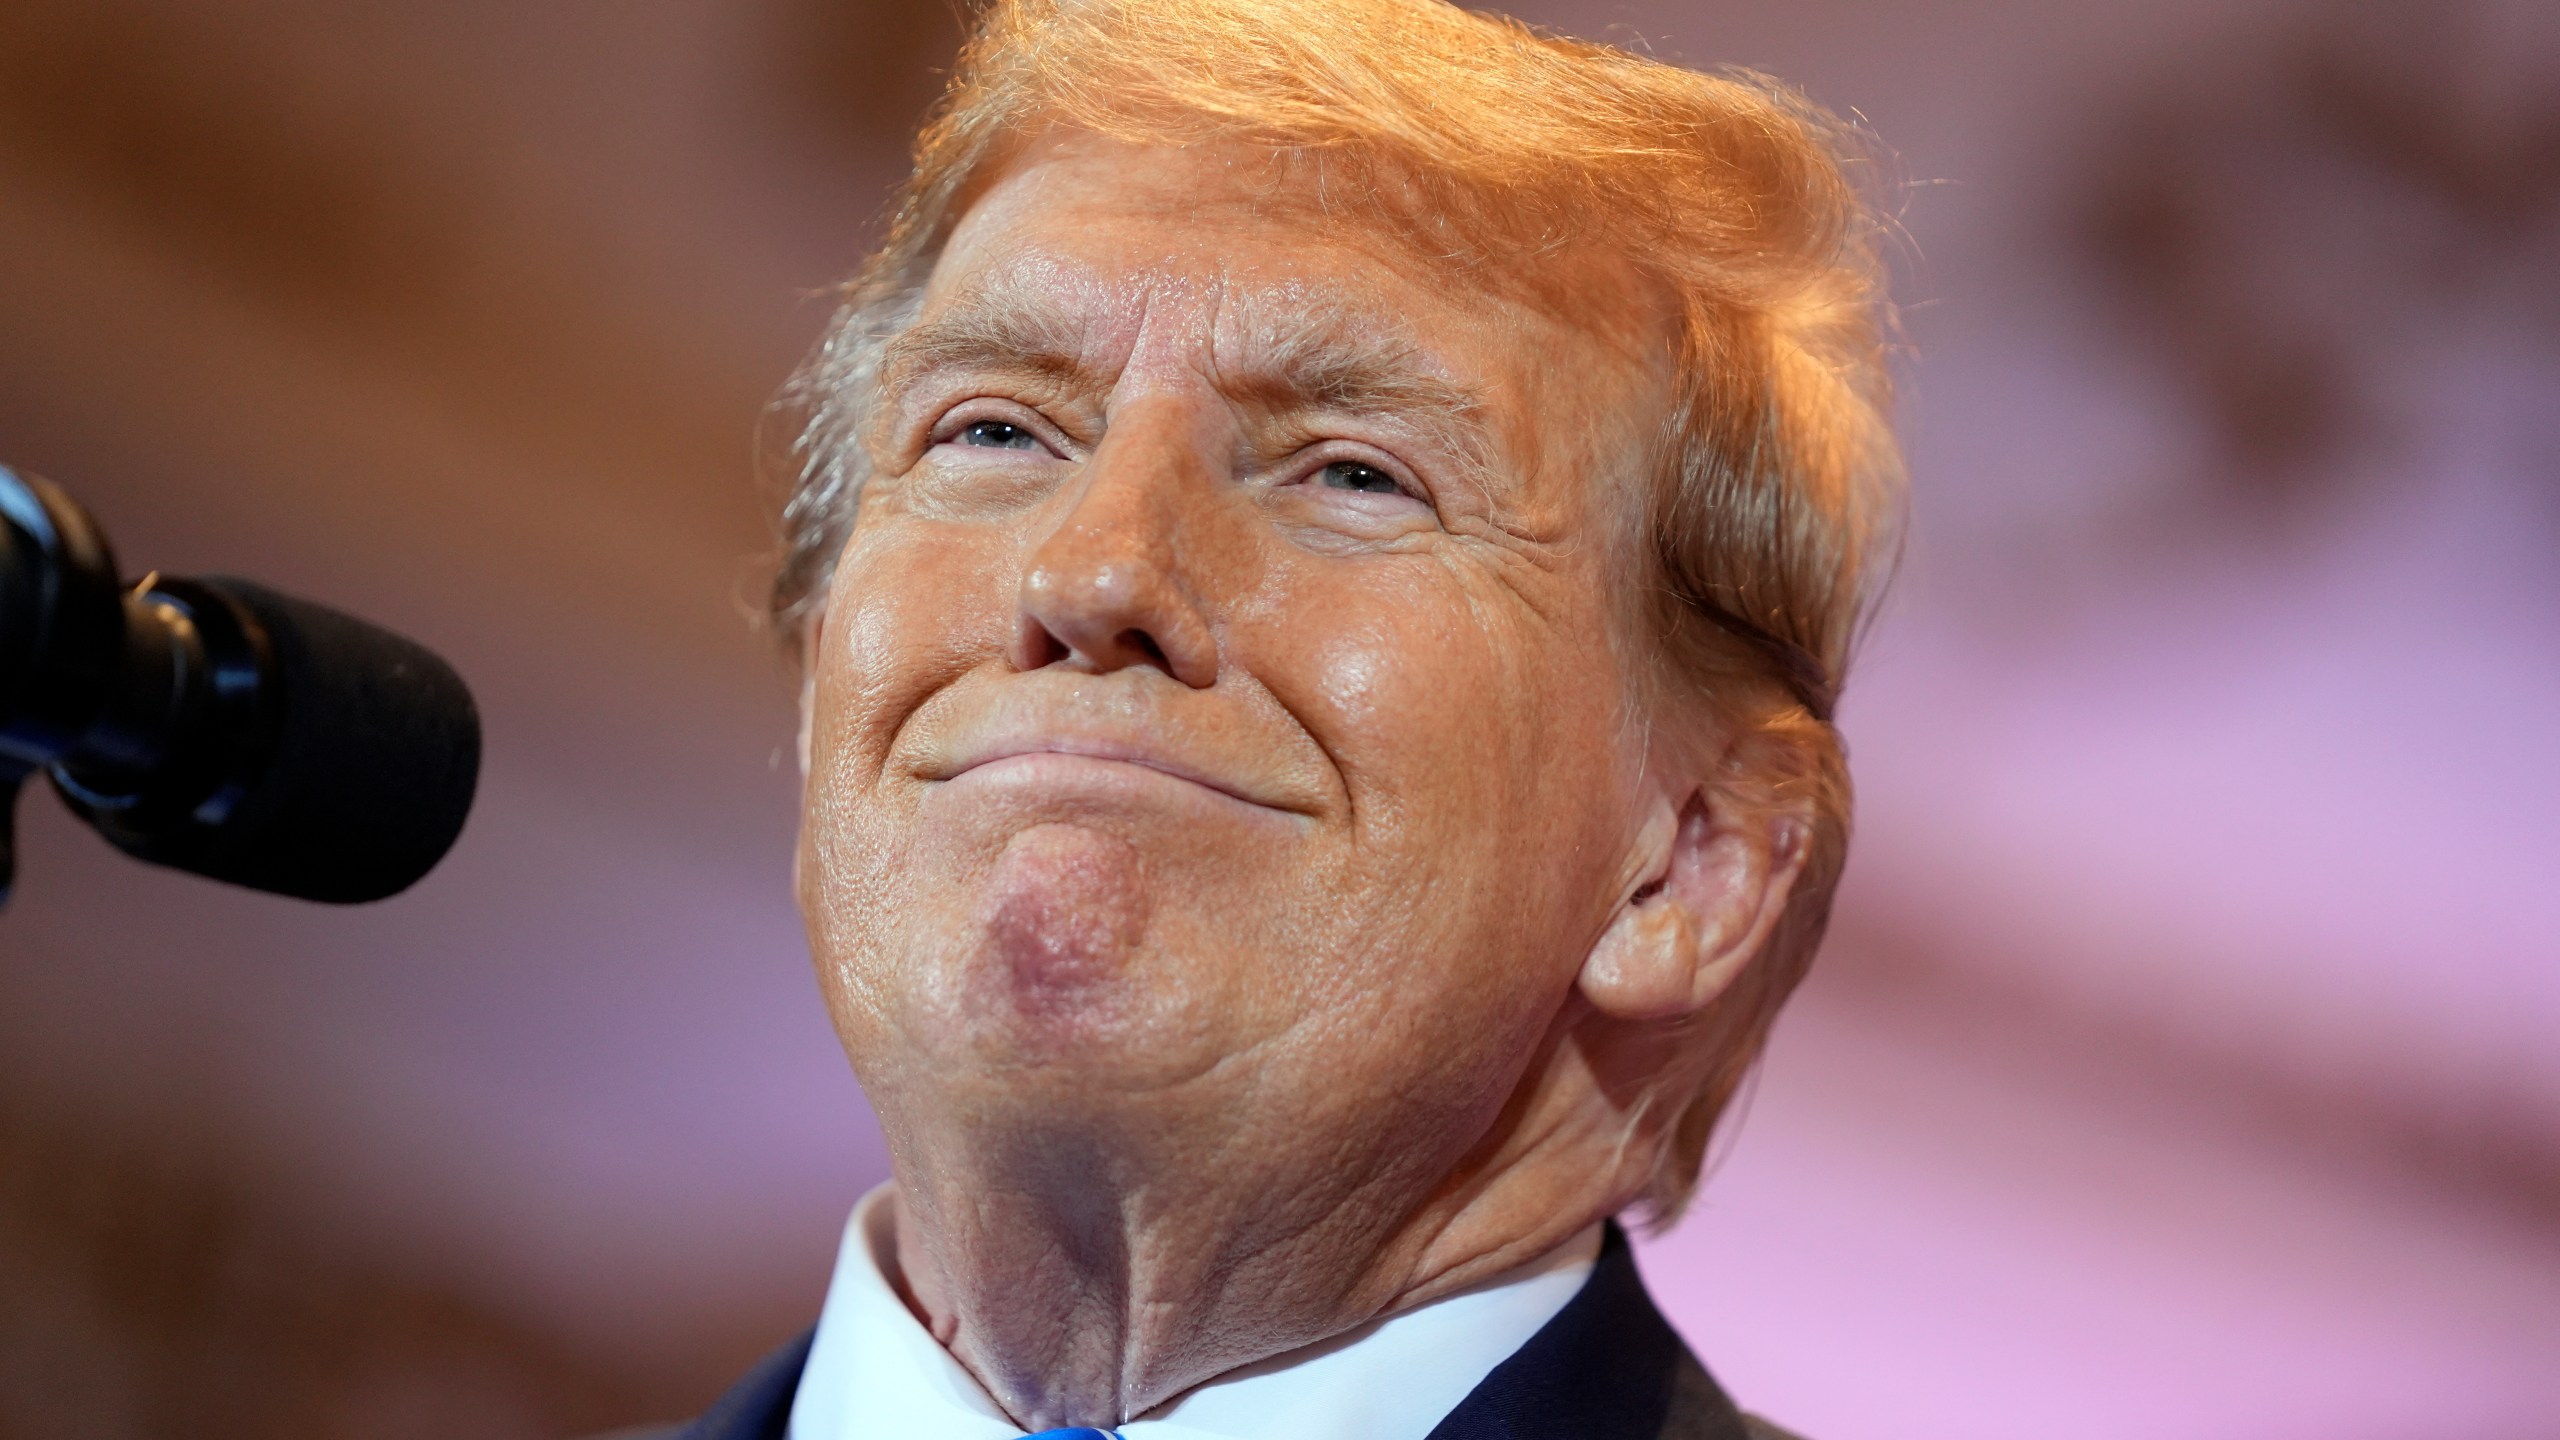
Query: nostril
point(1145, 645)
point(1038, 647)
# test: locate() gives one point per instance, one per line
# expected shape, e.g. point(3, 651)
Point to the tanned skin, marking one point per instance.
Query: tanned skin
point(1241, 859)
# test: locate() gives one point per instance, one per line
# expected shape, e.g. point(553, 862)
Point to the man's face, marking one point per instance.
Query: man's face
point(1221, 727)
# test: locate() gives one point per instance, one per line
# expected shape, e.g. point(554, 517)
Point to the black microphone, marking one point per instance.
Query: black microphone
point(217, 726)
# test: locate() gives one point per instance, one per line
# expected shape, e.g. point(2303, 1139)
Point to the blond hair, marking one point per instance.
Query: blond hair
point(1774, 507)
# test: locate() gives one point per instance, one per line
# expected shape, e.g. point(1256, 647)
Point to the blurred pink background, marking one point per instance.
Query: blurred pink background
point(2183, 1062)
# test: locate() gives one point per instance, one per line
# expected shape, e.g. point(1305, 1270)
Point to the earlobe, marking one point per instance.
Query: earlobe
point(1684, 934)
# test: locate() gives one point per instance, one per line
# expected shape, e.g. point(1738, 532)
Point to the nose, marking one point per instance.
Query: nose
point(1104, 590)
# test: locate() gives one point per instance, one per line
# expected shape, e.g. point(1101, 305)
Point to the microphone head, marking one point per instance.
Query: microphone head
point(350, 777)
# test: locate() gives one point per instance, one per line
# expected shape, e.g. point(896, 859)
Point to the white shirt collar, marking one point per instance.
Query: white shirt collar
point(875, 1373)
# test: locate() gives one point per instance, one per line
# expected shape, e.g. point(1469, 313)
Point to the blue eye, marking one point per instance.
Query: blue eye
point(1367, 479)
point(998, 435)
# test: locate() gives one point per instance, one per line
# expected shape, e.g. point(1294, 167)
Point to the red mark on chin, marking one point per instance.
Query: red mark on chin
point(1066, 907)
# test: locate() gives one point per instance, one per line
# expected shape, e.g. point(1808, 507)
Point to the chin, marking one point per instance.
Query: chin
point(1123, 951)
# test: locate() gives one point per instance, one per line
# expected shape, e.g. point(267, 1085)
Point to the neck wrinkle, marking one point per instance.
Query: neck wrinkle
point(1034, 1309)
point(1088, 1275)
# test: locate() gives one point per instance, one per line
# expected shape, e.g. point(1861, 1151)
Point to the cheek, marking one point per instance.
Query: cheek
point(914, 604)
point(1458, 713)
point(909, 611)
point(1480, 744)
point(1481, 740)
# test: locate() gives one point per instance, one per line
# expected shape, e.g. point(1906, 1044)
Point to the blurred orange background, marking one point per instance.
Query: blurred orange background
point(2183, 1064)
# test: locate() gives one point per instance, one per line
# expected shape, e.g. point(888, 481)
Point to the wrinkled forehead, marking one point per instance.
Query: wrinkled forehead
point(1099, 250)
point(1243, 264)
point(1062, 294)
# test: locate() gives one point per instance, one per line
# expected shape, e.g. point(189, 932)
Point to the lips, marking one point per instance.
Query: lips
point(1036, 726)
point(1090, 748)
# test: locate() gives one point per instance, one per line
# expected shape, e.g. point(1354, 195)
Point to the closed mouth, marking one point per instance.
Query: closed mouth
point(1099, 752)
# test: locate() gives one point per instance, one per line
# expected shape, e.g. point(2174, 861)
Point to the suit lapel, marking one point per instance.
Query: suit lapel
point(1607, 1367)
point(759, 1406)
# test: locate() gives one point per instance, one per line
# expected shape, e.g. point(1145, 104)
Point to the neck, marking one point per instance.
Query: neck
point(1085, 1278)
point(1080, 1303)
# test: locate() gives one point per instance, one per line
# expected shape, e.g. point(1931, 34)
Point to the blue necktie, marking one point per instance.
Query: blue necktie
point(1075, 1432)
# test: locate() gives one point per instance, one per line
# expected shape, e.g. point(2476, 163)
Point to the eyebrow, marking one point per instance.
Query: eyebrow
point(987, 336)
point(1323, 361)
point(1317, 360)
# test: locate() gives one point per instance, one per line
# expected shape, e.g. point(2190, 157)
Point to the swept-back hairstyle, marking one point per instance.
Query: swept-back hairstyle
point(1772, 509)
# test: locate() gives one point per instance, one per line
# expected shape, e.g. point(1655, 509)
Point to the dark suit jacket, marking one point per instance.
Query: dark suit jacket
point(1608, 1367)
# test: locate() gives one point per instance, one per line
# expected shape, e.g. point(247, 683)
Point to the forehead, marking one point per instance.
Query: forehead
point(1234, 254)
point(1105, 242)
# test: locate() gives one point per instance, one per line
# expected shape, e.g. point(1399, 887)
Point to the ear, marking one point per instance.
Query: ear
point(812, 635)
point(1716, 875)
